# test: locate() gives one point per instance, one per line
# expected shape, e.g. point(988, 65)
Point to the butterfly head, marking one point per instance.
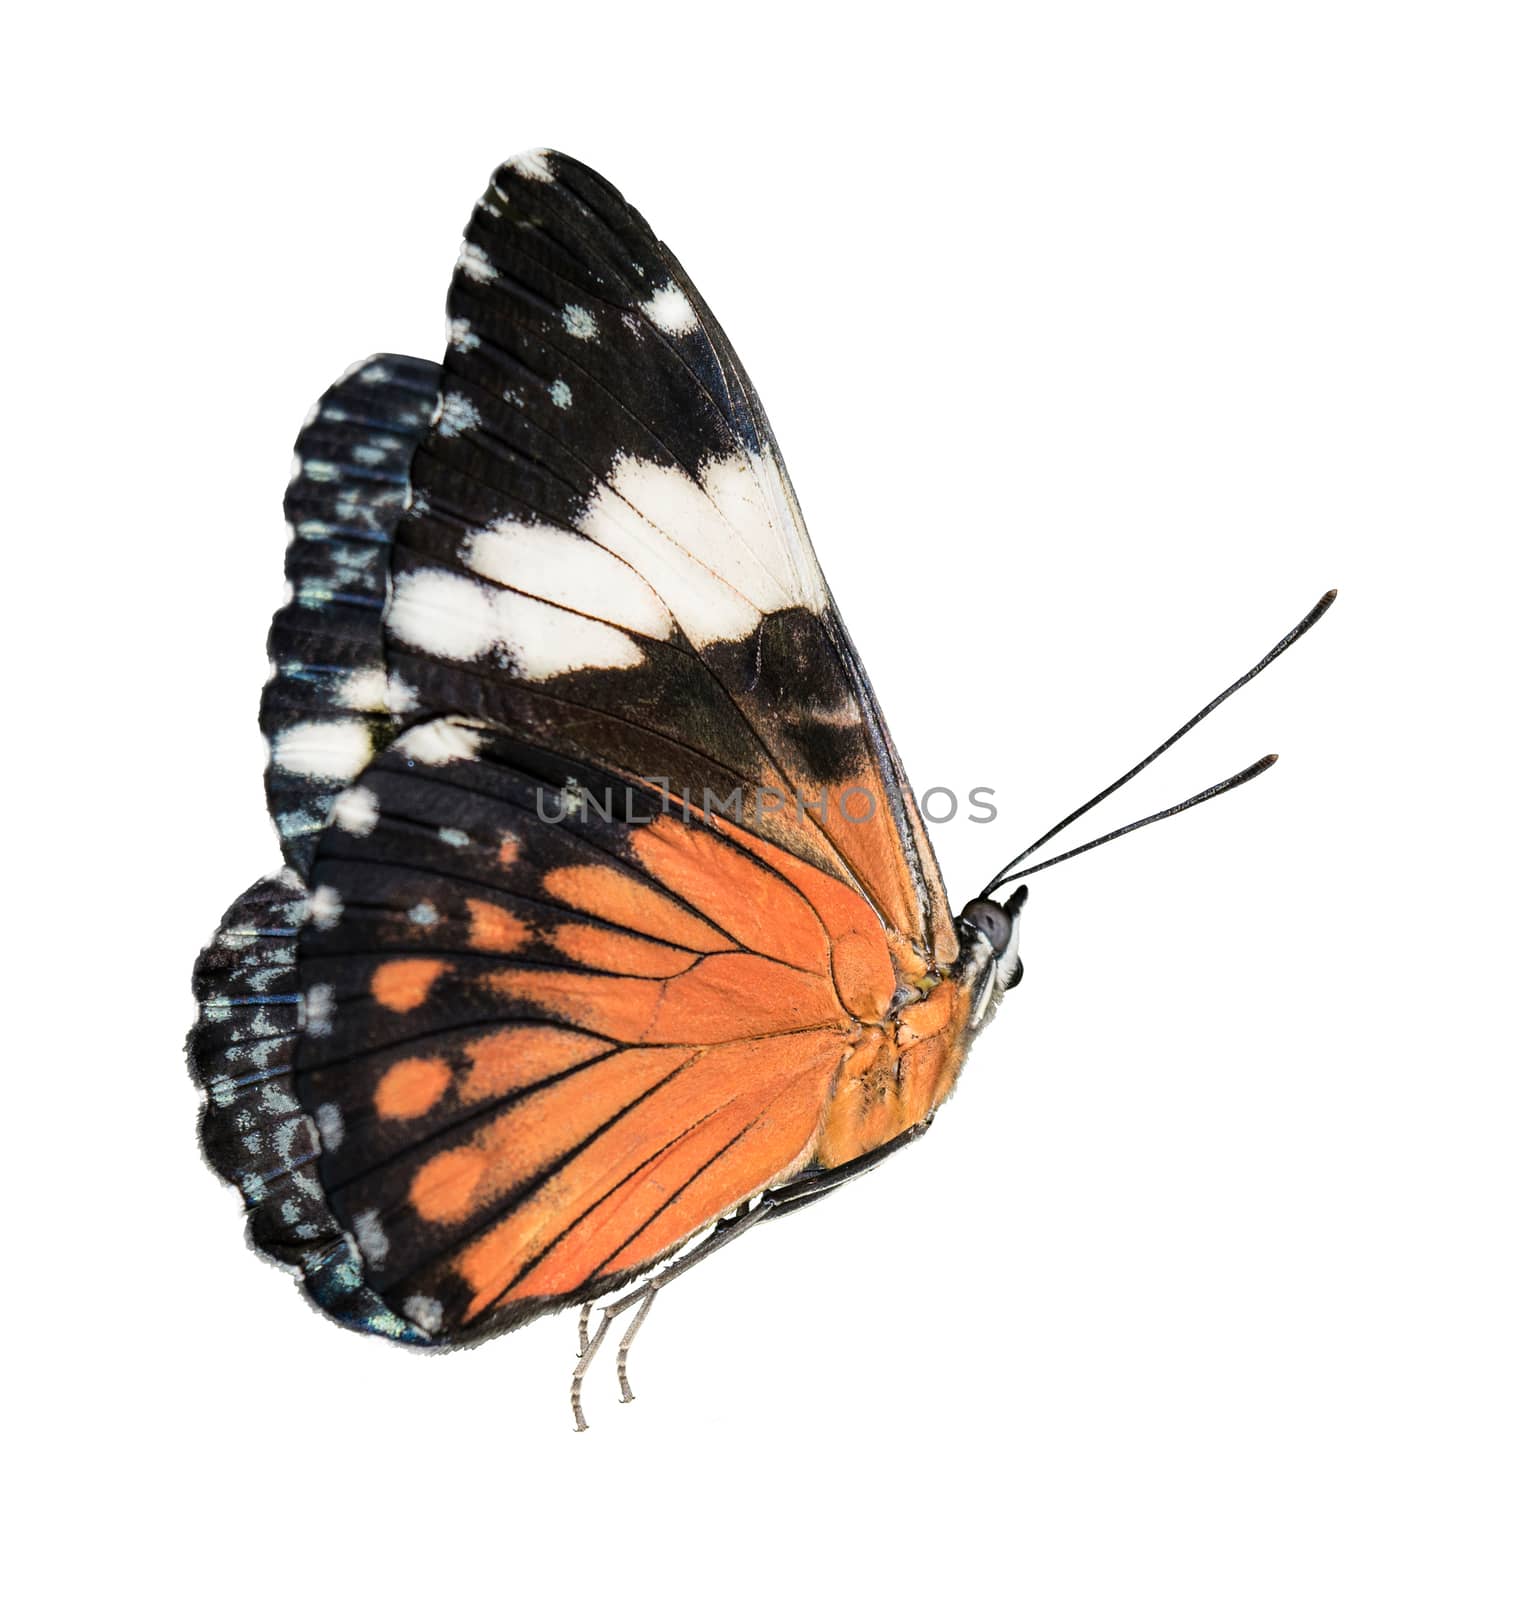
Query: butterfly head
point(990, 965)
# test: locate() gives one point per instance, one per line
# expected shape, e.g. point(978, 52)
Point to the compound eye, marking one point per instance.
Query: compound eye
point(991, 920)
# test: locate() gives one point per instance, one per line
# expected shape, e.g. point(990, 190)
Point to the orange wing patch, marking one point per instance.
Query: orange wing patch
point(495, 929)
point(653, 1034)
point(591, 946)
point(527, 1138)
point(757, 907)
point(411, 1088)
point(616, 896)
point(516, 1058)
point(647, 1164)
point(727, 996)
point(405, 985)
point(744, 1038)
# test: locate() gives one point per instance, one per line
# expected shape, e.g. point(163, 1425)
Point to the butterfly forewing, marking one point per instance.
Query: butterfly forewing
point(604, 553)
point(542, 1050)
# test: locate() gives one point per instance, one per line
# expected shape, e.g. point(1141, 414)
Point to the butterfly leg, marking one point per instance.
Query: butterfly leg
point(723, 1233)
point(622, 1364)
point(587, 1349)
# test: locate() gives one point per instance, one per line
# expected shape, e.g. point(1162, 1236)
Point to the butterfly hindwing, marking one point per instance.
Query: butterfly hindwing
point(330, 702)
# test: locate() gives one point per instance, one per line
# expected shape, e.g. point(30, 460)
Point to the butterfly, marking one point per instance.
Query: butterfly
point(608, 927)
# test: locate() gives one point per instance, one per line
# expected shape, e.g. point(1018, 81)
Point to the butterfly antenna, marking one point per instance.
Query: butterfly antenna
point(1254, 771)
point(1006, 875)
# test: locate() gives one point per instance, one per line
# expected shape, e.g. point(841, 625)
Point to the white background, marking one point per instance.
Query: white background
point(1100, 340)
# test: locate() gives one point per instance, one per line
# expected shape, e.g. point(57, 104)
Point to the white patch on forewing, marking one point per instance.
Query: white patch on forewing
point(325, 906)
point(578, 321)
point(356, 811)
point(443, 614)
point(435, 743)
point(758, 505)
point(567, 569)
point(456, 838)
point(460, 619)
point(423, 915)
point(561, 395)
point(330, 1121)
point(372, 689)
point(456, 415)
point(532, 164)
point(671, 310)
point(461, 335)
point(424, 1312)
point(721, 551)
point(475, 265)
point(337, 749)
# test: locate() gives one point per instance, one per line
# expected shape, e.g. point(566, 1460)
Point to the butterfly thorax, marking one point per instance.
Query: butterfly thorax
point(899, 1070)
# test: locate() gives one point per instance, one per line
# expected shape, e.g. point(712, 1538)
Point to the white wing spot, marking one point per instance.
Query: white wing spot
point(671, 310)
point(457, 415)
point(475, 265)
point(456, 838)
point(461, 335)
point(722, 550)
point(435, 743)
point(330, 1121)
point(423, 915)
point(337, 749)
point(318, 1010)
point(371, 1237)
point(373, 689)
point(459, 619)
point(561, 395)
point(325, 906)
point(567, 569)
point(578, 321)
point(424, 1312)
point(356, 811)
point(532, 164)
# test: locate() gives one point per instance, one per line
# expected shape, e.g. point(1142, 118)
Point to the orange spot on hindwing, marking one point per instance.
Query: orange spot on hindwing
point(443, 1187)
point(405, 985)
point(410, 1088)
point(495, 929)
